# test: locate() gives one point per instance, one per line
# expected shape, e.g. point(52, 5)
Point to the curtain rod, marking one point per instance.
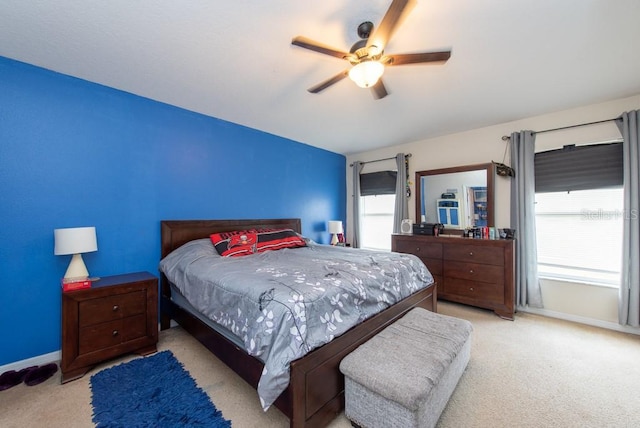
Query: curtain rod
point(408, 155)
point(507, 137)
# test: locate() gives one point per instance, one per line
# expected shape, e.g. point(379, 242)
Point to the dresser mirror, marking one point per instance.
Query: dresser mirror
point(460, 197)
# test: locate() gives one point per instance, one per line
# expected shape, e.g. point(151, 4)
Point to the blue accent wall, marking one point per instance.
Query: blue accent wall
point(74, 153)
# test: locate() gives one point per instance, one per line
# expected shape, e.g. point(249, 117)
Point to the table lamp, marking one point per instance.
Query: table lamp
point(335, 228)
point(75, 240)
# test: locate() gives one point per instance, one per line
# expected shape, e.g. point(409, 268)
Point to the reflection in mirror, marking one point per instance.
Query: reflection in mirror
point(459, 197)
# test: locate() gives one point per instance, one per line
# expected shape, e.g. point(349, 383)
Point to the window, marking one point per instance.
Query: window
point(579, 213)
point(579, 235)
point(377, 204)
point(376, 223)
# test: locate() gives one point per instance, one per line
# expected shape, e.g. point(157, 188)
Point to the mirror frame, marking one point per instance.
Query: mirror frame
point(488, 167)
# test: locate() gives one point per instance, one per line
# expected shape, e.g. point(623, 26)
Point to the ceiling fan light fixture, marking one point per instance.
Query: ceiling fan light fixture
point(374, 51)
point(366, 73)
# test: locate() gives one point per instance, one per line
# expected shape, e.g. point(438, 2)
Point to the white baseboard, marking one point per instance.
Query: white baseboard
point(40, 360)
point(52, 357)
point(581, 320)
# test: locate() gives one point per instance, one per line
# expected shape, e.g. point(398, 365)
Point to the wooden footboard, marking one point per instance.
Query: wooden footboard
point(315, 394)
point(317, 385)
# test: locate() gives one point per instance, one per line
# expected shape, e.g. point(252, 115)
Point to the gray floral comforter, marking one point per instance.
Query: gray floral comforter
point(283, 304)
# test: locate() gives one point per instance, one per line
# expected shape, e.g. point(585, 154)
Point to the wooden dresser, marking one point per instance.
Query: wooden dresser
point(477, 272)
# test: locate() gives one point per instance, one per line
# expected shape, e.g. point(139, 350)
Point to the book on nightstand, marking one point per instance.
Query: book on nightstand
point(75, 284)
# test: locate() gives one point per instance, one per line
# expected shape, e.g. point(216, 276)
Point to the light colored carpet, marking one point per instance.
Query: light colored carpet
point(532, 372)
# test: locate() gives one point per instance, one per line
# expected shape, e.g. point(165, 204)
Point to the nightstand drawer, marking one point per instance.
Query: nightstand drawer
point(94, 311)
point(100, 336)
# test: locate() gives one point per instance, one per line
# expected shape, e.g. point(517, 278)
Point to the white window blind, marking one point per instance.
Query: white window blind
point(579, 235)
point(376, 224)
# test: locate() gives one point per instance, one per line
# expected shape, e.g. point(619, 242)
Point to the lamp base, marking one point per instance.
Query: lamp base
point(77, 269)
point(334, 239)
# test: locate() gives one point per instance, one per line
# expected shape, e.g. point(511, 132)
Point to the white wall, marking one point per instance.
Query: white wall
point(484, 145)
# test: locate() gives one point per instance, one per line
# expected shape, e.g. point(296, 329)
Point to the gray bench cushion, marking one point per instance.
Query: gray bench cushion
point(404, 361)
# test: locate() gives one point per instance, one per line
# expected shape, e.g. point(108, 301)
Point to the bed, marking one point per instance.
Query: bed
point(315, 391)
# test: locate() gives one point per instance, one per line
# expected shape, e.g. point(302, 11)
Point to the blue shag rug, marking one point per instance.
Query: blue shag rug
point(154, 391)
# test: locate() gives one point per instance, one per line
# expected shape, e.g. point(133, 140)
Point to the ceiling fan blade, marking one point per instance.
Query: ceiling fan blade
point(324, 85)
point(390, 22)
point(378, 90)
point(306, 43)
point(417, 58)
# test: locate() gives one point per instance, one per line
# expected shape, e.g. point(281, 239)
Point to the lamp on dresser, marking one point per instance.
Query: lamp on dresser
point(75, 240)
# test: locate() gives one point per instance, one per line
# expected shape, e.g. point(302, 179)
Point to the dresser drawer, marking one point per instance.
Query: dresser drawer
point(434, 265)
point(474, 272)
point(474, 254)
point(490, 293)
point(94, 311)
point(101, 336)
point(420, 249)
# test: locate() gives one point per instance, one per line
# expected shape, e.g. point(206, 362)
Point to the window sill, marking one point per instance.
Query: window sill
point(577, 281)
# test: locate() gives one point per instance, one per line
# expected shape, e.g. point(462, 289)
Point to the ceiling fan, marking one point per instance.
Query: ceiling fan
point(367, 56)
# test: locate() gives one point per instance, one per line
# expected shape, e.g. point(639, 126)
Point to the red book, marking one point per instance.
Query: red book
point(78, 284)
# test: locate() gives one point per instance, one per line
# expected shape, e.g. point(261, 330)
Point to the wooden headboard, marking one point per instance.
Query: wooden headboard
point(175, 233)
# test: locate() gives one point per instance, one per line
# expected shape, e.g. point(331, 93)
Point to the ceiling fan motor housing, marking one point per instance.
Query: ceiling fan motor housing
point(364, 29)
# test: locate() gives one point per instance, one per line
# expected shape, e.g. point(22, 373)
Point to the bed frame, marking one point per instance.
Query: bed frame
point(315, 395)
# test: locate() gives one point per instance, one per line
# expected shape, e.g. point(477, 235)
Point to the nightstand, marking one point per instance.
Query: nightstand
point(116, 316)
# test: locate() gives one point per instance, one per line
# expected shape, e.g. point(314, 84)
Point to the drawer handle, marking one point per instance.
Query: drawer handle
point(417, 249)
point(115, 308)
point(471, 253)
point(470, 270)
point(470, 288)
point(115, 333)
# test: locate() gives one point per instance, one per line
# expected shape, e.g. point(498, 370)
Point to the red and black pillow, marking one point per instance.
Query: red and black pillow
point(245, 242)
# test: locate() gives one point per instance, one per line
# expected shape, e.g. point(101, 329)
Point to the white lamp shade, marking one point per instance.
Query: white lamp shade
point(366, 73)
point(75, 240)
point(335, 226)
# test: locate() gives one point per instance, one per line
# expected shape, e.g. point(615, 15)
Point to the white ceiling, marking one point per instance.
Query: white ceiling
point(233, 60)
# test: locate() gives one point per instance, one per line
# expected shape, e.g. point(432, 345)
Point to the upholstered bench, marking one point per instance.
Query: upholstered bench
point(405, 375)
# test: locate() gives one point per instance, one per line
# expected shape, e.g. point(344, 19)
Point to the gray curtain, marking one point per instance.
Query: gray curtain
point(401, 210)
point(523, 219)
point(357, 169)
point(629, 298)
